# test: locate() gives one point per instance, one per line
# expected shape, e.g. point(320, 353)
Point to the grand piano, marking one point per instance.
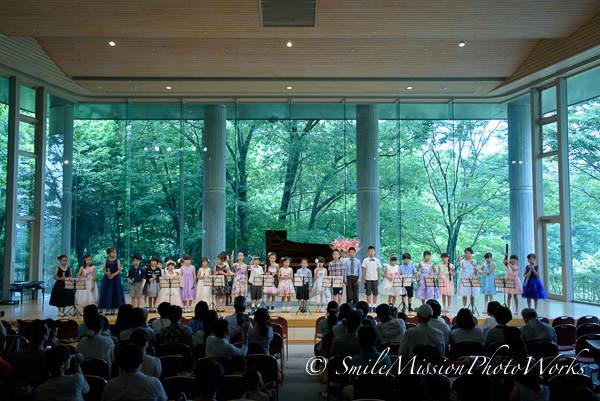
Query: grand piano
point(276, 241)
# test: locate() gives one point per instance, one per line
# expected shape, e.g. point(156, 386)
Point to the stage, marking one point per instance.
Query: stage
point(301, 327)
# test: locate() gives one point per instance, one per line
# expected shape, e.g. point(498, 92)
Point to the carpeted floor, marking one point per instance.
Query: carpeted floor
point(298, 384)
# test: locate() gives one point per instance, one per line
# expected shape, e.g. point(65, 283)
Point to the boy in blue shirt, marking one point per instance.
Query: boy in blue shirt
point(135, 276)
point(407, 269)
point(303, 293)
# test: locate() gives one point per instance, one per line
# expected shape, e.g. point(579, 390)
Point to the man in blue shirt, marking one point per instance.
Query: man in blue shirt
point(352, 277)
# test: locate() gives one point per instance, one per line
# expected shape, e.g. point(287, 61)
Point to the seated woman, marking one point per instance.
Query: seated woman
point(95, 345)
point(262, 332)
point(467, 328)
point(60, 386)
point(218, 346)
point(208, 326)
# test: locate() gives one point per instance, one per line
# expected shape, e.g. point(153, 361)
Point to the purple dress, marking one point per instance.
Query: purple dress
point(424, 292)
point(188, 291)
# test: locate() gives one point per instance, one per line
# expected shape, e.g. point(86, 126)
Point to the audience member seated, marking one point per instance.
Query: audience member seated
point(5, 367)
point(30, 361)
point(347, 344)
point(237, 319)
point(363, 308)
point(209, 377)
point(422, 334)
point(238, 365)
point(208, 327)
point(472, 387)
point(467, 330)
point(151, 365)
point(502, 315)
point(23, 389)
point(528, 386)
point(187, 366)
point(437, 322)
point(199, 312)
point(94, 345)
point(534, 329)
point(368, 358)
point(490, 321)
point(60, 386)
point(410, 387)
point(106, 330)
point(52, 332)
point(218, 345)
point(327, 325)
point(132, 384)
point(255, 388)
point(345, 309)
point(163, 321)
point(514, 354)
point(88, 311)
point(262, 332)
point(123, 321)
point(138, 321)
point(176, 332)
point(428, 354)
point(389, 330)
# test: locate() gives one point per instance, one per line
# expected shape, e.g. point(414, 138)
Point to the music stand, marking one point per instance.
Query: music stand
point(402, 281)
point(214, 281)
point(74, 283)
point(472, 282)
point(170, 282)
point(504, 283)
point(264, 280)
point(300, 281)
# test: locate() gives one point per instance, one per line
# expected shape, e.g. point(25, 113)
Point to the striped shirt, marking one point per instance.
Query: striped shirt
point(336, 267)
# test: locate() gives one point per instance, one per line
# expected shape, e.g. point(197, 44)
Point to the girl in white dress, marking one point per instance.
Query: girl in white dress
point(171, 295)
point(88, 296)
point(392, 270)
point(203, 292)
point(320, 295)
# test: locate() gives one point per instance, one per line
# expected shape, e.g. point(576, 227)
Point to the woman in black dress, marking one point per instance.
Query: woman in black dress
point(61, 297)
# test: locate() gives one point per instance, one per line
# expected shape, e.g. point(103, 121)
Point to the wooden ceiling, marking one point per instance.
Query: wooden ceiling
point(357, 49)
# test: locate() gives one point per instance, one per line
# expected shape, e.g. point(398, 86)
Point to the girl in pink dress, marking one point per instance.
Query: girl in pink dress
point(188, 291)
point(90, 294)
point(511, 271)
point(272, 270)
point(240, 278)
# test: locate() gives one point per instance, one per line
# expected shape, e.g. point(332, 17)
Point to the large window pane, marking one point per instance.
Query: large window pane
point(555, 284)
point(22, 252)
point(26, 137)
point(3, 155)
point(26, 186)
point(550, 179)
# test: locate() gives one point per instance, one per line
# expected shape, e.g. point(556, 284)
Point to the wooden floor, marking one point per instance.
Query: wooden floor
point(301, 326)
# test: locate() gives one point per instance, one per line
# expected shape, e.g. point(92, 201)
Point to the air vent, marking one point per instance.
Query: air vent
point(288, 12)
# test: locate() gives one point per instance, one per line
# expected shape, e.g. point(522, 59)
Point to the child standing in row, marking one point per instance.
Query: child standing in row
point(221, 291)
point(408, 269)
point(392, 270)
point(488, 287)
point(320, 295)
point(446, 282)
point(111, 289)
point(533, 287)
point(336, 269)
point(372, 275)
point(153, 273)
point(89, 296)
point(427, 269)
point(61, 297)
point(468, 268)
point(240, 278)
point(188, 291)
point(203, 292)
point(511, 271)
point(303, 293)
point(256, 291)
point(272, 270)
point(135, 277)
point(286, 287)
point(171, 294)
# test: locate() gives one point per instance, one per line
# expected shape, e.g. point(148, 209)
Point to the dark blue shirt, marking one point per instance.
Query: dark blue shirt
point(136, 275)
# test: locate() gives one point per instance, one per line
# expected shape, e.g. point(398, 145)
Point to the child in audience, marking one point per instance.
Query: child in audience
point(320, 295)
point(446, 282)
point(151, 288)
point(272, 270)
point(254, 386)
point(407, 269)
point(203, 292)
point(171, 295)
point(221, 292)
point(468, 268)
point(238, 365)
point(427, 268)
point(303, 293)
point(533, 287)
point(392, 270)
point(256, 291)
point(286, 286)
point(511, 271)
point(188, 291)
point(240, 278)
point(89, 296)
point(486, 270)
point(135, 276)
point(61, 297)
point(187, 365)
point(336, 269)
point(111, 290)
point(490, 321)
point(372, 276)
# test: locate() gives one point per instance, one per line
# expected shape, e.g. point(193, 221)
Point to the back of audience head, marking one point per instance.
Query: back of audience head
point(200, 310)
point(221, 328)
point(123, 321)
point(344, 310)
point(95, 324)
point(252, 380)
point(52, 329)
point(402, 315)
point(36, 332)
point(435, 307)
point(140, 338)
point(514, 340)
point(367, 337)
point(491, 307)
point(56, 360)
point(261, 321)
point(239, 304)
point(130, 357)
point(163, 310)
point(363, 308)
point(353, 321)
point(410, 387)
point(187, 366)
point(503, 315)
point(383, 312)
point(428, 353)
point(209, 322)
point(424, 313)
point(528, 314)
point(106, 322)
point(238, 365)
point(90, 310)
point(209, 376)
point(332, 314)
point(175, 313)
point(474, 387)
point(137, 317)
point(465, 319)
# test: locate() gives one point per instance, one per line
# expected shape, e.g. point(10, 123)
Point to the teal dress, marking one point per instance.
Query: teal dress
point(487, 281)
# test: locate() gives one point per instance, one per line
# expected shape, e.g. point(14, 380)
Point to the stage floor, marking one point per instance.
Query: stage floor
point(301, 327)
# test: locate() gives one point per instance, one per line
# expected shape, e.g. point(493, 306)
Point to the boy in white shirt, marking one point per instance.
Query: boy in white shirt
point(372, 276)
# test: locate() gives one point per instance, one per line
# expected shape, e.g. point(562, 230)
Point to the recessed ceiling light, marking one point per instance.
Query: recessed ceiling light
point(289, 43)
point(134, 87)
point(444, 88)
point(145, 148)
point(112, 43)
point(194, 149)
point(289, 88)
point(168, 149)
point(168, 87)
point(156, 148)
point(409, 87)
point(461, 43)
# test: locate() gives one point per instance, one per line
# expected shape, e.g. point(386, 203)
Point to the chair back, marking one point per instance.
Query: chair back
point(588, 328)
point(467, 348)
point(96, 384)
point(276, 346)
point(410, 325)
point(267, 366)
point(554, 366)
point(542, 349)
point(563, 320)
point(277, 328)
point(587, 319)
point(172, 349)
point(151, 321)
point(7, 325)
point(582, 347)
point(326, 343)
point(176, 385)
point(562, 386)
point(255, 348)
point(566, 334)
point(199, 351)
point(67, 329)
point(544, 319)
point(95, 367)
point(170, 365)
point(392, 348)
point(185, 320)
point(318, 333)
point(447, 320)
point(232, 388)
point(454, 320)
point(224, 361)
point(412, 319)
point(13, 343)
point(283, 322)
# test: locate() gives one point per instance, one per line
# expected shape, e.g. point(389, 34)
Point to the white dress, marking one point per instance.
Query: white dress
point(203, 292)
point(388, 287)
point(320, 295)
point(467, 270)
point(87, 296)
point(175, 293)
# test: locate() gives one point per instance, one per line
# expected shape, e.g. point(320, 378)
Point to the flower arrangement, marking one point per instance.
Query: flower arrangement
point(343, 244)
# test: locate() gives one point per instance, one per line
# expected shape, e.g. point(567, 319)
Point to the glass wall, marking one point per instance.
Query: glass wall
point(3, 155)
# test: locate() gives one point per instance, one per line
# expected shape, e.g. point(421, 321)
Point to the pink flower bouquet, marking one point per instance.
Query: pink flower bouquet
point(344, 244)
